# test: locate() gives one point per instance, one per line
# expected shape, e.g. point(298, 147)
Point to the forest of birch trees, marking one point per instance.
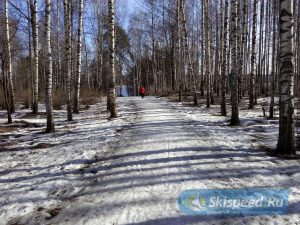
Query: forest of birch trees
point(223, 52)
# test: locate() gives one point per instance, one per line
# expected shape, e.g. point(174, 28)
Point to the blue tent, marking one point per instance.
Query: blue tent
point(122, 91)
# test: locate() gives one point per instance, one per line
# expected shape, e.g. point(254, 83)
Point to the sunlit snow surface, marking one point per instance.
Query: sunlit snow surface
point(131, 170)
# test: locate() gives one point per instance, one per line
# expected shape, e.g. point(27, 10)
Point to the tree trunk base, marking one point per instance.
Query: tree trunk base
point(291, 157)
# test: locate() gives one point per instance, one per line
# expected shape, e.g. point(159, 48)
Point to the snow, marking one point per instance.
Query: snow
point(131, 170)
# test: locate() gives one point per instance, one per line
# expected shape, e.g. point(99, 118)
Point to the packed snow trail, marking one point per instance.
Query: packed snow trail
point(163, 153)
point(156, 150)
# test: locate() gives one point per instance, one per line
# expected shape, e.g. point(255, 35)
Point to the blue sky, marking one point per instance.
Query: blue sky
point(132, 4)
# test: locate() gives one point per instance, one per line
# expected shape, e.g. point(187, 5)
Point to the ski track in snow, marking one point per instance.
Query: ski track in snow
point(131, 170)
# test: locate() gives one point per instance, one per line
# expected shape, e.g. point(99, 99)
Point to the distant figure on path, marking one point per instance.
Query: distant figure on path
point(142, 91)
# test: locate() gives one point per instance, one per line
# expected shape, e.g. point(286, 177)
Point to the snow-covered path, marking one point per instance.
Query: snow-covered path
point(165, 152)
point(166, 149)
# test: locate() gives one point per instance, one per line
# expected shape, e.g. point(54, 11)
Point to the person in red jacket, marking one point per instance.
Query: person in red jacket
point(142, 91)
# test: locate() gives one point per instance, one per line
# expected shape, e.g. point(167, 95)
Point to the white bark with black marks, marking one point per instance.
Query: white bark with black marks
point(112, 78)
point(187, 50)
point(35, 38)
point(253, 56)
point(207, 52)
point(9, 61)
point(68, 55)
point(286, 140)
point(48, 69)
point(233, 76)
point(79, 58)
point(224, 64)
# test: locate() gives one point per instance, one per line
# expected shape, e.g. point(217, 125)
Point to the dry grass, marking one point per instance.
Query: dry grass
point(58, 99)
point(87, 98)
point(22, 97)
point(90, 97)
point(7, 129)
point(2, 102)
point(34, 116)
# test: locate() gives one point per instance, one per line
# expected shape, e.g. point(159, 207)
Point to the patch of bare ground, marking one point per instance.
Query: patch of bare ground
point(33, 116)
point(272, 153)
point(27, 124)
point(42, 146)
point(5, 145)
point(67, 128)
point(8, 129)
point(53, 212)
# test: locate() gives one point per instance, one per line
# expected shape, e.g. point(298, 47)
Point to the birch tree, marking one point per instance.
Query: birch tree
point(274, 57)
point(112, 78)
point(233, 74)
point(207, 52)
point(35, 38)
point(99, 44)
point(154, 64)
point(260, 47)
point(68, 55)
point(286, 140)
point(79, 58)
point(5, 87)
point(224, 64)
point(178, 52)
point(188, 52)
point(253, 56)
point(48, 69)
point(243, 48)
point(217, 52)
point(9, 60)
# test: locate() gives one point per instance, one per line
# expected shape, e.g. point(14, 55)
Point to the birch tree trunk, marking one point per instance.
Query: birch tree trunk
point(202, 50)
point(6, 91)
point(298, 49)
point(79, 58)
point(221, 47)
point(260, 51)
point(60, 80)
point(217, 53)
point(253, 56)
point(178, 52)
point(68, 55)
point(154, 63)
point(207, 52)
point(112, 79)
point(239, 47)
point(246, 45)
point(243, 49)
point(48, 69)
point(188, 52)
point(9, 62)
point(224, 64)
point(274, 52)
point(173, 60)
point(233, 74)
point(286, 140)
point(35, 38)
point(30, 34)
point(265, 79)
point(100, 47)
